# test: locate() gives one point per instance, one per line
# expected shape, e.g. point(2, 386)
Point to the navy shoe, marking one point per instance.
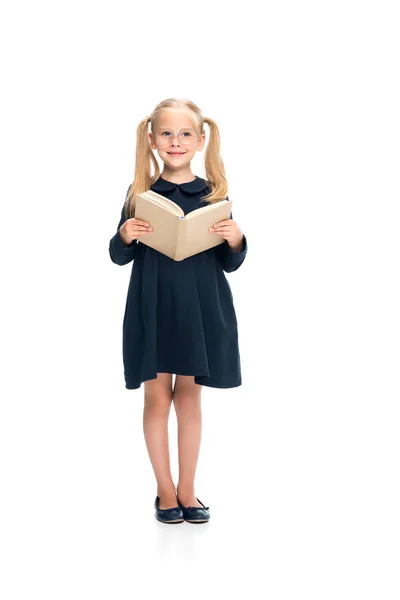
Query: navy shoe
point(168, 515)
point(195, 514)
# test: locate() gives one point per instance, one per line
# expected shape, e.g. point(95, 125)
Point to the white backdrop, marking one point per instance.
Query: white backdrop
point(299, 465)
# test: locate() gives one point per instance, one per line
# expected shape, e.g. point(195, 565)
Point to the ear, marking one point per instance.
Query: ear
point(152, 142)
point(201, 142)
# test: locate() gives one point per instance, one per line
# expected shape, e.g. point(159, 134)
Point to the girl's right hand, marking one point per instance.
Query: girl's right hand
point(132, 228)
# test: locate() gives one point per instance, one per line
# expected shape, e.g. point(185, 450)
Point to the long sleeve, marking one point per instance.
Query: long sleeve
point(120, 253)
point(231, 260)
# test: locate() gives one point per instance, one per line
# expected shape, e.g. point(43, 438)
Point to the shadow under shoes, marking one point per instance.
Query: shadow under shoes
point(168, 515)
point(195, 514)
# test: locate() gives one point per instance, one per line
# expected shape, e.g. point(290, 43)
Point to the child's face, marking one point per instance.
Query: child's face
point(171, 122)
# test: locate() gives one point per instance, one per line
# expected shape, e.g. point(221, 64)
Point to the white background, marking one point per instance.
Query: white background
point(300, 464)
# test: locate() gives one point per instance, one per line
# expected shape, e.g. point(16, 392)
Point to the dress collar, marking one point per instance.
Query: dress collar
point(191, 187)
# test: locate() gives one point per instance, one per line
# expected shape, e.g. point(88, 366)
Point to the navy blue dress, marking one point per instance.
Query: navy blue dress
point(179, 315)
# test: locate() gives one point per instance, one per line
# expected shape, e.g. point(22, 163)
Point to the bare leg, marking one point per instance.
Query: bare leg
point(157, 405)
point(187, 402)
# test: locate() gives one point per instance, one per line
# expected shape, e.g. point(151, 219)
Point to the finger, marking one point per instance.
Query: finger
point(218, 228)
point(138, 226)
point(224, 223)
point(141, 222)
point(142, 230)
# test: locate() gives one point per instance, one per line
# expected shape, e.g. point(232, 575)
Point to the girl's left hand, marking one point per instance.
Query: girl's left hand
point(229, 230)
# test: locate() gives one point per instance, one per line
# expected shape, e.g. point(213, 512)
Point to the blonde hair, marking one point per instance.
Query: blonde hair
point(214, 166)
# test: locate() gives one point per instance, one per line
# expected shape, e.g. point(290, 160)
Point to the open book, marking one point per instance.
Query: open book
point(175, 234)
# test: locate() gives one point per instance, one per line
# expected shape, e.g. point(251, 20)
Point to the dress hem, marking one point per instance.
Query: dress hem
point(130, 386)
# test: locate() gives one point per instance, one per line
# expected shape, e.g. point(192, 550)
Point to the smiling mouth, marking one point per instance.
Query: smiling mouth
point(175, 153)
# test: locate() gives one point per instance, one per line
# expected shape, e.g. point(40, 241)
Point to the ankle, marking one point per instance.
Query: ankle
point(166, 489)
point(185, 490)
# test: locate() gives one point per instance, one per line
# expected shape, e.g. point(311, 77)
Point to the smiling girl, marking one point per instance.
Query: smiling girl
point(179, 315)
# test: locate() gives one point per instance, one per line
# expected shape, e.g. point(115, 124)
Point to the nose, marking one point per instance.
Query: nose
point(172, 140)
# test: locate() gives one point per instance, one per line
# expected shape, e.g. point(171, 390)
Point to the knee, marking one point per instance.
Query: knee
point(186, 401)
point(157, 404)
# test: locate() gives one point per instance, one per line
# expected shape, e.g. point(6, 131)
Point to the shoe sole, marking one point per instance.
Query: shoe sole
point(197, 520)
point(171, 522)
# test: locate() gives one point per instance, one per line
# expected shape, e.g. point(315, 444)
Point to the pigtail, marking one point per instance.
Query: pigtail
point(214, 166)
point(144, 157)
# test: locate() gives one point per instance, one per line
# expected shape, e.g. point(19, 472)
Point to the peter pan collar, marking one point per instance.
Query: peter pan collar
point(191, 187)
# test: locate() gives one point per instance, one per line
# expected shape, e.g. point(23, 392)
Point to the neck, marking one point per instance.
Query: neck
point(182, 176)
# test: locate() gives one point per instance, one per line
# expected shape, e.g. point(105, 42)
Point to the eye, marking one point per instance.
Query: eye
point(167, 132)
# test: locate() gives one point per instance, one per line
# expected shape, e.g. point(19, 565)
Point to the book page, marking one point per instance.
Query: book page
point(163, 201)
point(194, 213)
point(194, 235)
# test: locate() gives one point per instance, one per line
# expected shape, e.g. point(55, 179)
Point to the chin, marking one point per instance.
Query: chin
point(176, 163)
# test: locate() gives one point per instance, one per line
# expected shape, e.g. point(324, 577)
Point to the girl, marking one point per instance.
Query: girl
point(179, 315)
